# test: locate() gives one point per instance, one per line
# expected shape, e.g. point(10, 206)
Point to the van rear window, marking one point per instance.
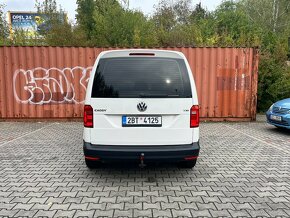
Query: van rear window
point(134, 77)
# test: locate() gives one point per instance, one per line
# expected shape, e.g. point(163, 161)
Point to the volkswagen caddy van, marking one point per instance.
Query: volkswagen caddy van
point(141, 106)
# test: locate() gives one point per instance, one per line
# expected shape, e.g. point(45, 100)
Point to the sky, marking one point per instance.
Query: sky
point(70, 5)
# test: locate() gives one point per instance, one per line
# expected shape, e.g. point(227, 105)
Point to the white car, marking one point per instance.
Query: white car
point(141, 105)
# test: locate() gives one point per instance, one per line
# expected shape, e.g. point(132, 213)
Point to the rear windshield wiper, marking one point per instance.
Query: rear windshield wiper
point(158, 96)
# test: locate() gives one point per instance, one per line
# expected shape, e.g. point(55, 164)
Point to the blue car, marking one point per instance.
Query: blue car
point(279, 114)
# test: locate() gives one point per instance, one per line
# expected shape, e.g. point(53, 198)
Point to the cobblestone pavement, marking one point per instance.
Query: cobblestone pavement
point(243, 170)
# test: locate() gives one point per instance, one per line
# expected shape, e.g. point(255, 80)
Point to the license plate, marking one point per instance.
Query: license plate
point(136, 121)
point(277, 118)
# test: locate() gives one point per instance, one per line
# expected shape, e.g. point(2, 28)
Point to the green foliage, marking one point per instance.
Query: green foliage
point(85, 13)
point(4, 30)
point(273, 20)
point(274, 74)
point(60, 31)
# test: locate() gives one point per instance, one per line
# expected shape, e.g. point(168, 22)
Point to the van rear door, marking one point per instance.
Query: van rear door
point(141, 100)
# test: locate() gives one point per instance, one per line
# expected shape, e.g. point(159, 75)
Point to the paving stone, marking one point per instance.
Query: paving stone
point(276, 206)
point(8, 213)
point(38, 206)
point(173, 205)
point(219, 213)
point(238, 213)
point(200, 213)
point(104, 213)
point(65, 213)
point(276, 213)
point(93, 206)
point(205, 206)
point(162, 213)
point(7, 206)
point(26, 213)
point(72, 200)
point(77, 206)
point(287, 211)
point(20, 200)
point(137, 206)
point(142, 213)
point(45, 213)
point(147, 206)
point(181, 213)
point(138, 199)
point(188, 206)
point(55, 200)
point(211, 199)
point(120, 199)
point(194, 199)
point(244, 206)
point(22, 206)
point(38, 200)
point(115, 206)
point(259, 206)
point(90, 200)
point(87, 213)
point(176, 199)
point(258, 213)
point(68, 194)
point(59, 206)
point(224, 206)
point(123, 213)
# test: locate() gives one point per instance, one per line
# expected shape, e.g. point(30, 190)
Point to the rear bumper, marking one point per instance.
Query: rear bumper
point(157, 153)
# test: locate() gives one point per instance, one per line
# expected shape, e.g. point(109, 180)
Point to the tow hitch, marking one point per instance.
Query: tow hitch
point(142, 156)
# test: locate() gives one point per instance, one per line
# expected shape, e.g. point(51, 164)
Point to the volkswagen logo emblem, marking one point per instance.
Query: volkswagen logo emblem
point(141, 107)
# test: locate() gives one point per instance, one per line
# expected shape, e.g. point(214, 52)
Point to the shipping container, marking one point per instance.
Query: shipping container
point(50, 82)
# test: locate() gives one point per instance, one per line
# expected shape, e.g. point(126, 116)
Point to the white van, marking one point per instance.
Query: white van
point(141, 105)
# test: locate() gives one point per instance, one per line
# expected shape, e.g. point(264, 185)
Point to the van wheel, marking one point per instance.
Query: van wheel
point(187, 164)
point(92, 164)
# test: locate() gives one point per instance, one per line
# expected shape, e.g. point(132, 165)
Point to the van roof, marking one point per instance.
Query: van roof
point(142, 53)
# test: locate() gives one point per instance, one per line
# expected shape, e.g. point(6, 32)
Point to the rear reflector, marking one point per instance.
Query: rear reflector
point(88, 116)
point(194, 116)
point(190, 158)
point(92, 158)
point(142, 54)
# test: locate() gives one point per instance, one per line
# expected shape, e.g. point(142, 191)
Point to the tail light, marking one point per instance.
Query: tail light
point(88, 116)
point(194, 116)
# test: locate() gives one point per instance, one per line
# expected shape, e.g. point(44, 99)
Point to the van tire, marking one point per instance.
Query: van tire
point(92, 164)
point(187, 164)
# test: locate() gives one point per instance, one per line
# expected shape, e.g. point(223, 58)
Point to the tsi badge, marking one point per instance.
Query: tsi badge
point(141, 107)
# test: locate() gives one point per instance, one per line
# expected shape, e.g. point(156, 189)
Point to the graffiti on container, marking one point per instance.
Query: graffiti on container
point(51, 86)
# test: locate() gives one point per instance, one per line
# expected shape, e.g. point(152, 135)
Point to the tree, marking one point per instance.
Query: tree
point(85, 14)
point(234, 26)
point(115, 25)
point(172, 21)
point(273, 15)
point(182, 9)
point(58, 31)
point(4, 29)
point(273, 19)
point(164, 16)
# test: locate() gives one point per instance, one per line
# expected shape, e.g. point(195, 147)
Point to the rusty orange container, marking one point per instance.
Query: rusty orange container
point(50, 82)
